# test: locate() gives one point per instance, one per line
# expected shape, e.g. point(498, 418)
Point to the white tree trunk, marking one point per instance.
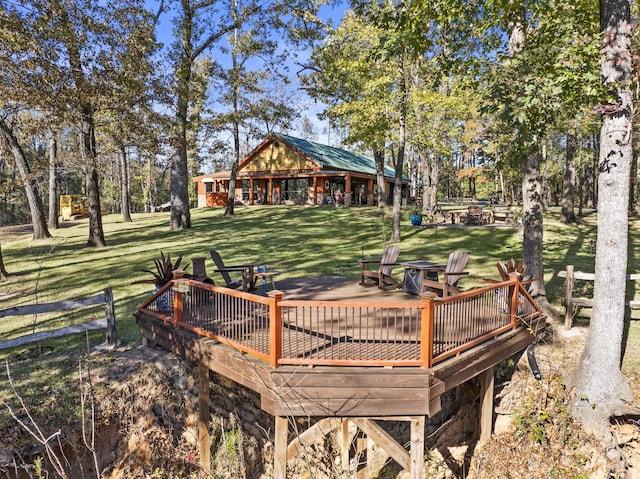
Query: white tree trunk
point(601, 390)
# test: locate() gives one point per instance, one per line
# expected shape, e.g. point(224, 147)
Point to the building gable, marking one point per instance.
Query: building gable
point(277, 156)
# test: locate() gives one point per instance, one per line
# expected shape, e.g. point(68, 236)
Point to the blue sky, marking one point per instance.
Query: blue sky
point(331, 13)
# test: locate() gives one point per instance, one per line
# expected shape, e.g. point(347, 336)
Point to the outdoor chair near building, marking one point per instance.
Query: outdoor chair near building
point(474, 215)
point(452, 274)
point(381, 275)
point(246, 279)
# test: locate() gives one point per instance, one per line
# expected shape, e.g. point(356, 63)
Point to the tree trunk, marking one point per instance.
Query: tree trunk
point(636, 175)
point(430, 180)
point(180, 214)
point(533, 216)
point(601, 389)
point(147, 194)
point(53, 192)
point(3, 272)
point(378, 156)
point(402, 144)
point(231, 200)
point(568, 214)
point(36, 207)
point(88, 141)
point(125, 194)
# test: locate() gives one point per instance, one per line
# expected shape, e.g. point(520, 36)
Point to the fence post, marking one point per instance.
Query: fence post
point(275, 329)
point(426, 329)
point(177, 297)
point(110, 314)
point(515, 277)
point(568, 298)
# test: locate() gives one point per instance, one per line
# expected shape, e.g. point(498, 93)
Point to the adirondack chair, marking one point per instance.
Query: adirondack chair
point(381, 276)
point(449, 285)
point(474, 215)
point(246, 279)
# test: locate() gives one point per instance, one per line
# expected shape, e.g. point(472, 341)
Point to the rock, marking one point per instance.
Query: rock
point(624, 433)
point(503, 424)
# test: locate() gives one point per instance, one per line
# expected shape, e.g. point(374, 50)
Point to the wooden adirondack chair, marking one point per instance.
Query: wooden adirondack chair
point(381, 276)
point(449, 286)
point(246, 279)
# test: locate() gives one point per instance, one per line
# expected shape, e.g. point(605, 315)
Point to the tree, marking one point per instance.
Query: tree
point(68, 59)
point(367, 90)
point(601, 389)
point(199, 26)
point(568, 214)
point(3, 272)
point(53, 190)
point(38, 220)
point(256, 68)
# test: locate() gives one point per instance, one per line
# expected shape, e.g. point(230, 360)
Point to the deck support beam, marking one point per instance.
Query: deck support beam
point(204, 440)
point(345, 445)
point(280, 448)
point(486, 405)
point(417, 448)
point(383, 439)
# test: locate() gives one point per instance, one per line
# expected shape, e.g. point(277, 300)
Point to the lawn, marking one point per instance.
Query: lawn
point(297, 241)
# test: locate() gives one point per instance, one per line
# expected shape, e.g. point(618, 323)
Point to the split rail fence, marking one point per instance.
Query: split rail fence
point(108, 322)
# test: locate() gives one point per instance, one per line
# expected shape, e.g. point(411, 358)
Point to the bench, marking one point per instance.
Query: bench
point(506, 215)
point(108, 322)
point(570, 303)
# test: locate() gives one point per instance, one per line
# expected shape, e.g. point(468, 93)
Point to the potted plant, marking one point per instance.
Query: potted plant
point(164, 270)
point(416, 217)
point(162, 275)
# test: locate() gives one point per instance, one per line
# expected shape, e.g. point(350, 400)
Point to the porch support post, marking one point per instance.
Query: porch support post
point(251, 201)
point(280, 446)
point(347, 190)
point(417, 448)
point(486, 405)
point(314, 190)
point(204, 440)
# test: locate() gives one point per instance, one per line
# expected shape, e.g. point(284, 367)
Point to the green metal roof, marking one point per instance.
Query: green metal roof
point(334, 158)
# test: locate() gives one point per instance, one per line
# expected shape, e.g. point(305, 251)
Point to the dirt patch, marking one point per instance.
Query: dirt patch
point(147, 426)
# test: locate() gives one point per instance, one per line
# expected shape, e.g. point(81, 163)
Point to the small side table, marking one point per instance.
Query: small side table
point(266, 275)
point(415, 272)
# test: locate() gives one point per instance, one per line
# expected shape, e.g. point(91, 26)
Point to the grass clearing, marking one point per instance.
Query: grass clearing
point(297, 241)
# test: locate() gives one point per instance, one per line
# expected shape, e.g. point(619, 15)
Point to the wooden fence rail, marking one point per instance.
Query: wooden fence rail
point(108, 322)
point(571, 303)
point(344, 333)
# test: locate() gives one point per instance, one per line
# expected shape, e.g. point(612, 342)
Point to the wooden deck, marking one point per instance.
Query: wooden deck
point(363, 358)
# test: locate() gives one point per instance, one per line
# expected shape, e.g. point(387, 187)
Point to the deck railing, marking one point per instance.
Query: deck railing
point(345, 333)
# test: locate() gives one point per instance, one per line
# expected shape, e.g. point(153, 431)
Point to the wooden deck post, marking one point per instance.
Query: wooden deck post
point(515, 292)
point(280, 448)
point(275, 329)
point(426, 331)
point(568, 298)
point(486, 404)
point(177, 298)
point(417, 448)
point(204, 440)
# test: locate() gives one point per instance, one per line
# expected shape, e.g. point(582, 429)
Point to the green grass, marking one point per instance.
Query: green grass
point(297, 241)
